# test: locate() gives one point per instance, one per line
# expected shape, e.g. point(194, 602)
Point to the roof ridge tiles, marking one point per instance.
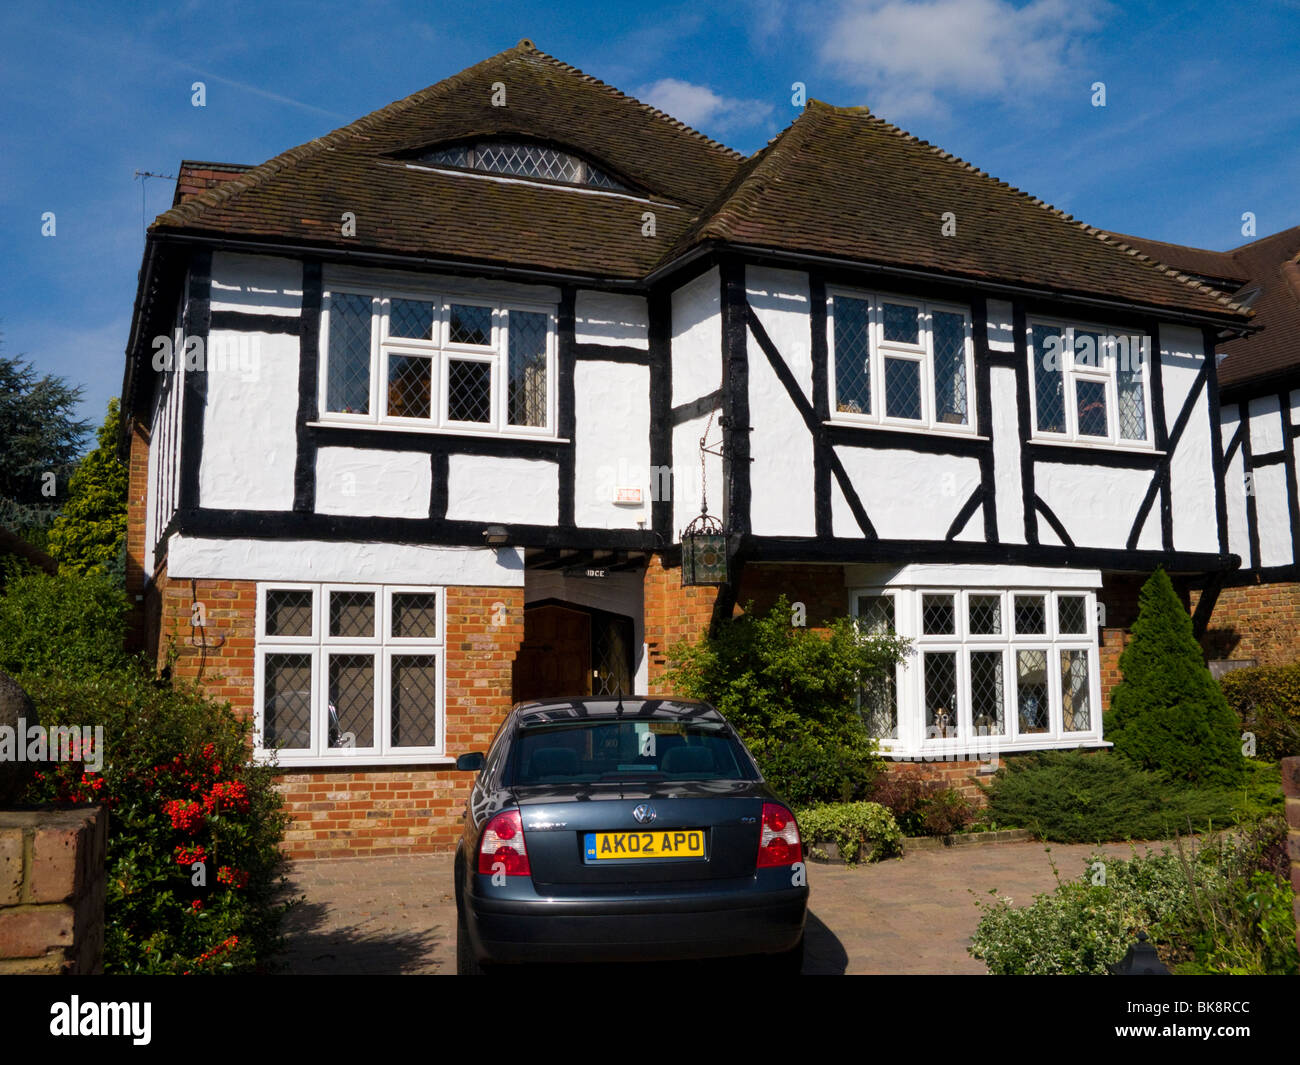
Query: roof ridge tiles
point(528, 45)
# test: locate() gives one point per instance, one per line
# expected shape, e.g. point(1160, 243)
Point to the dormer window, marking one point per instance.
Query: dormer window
point(522, 159)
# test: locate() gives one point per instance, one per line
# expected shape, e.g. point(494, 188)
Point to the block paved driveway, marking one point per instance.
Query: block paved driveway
point(911, 916)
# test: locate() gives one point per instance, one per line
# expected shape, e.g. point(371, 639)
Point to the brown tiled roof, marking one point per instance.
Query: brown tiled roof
point(302, 194)
point(1266, 274)
point(1199, 262)
point(194, 177)
point(841, 182)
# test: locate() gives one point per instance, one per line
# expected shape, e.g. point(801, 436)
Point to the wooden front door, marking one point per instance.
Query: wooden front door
point(555, 657)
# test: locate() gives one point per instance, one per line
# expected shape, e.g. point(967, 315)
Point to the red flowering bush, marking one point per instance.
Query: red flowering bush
point(194, 865)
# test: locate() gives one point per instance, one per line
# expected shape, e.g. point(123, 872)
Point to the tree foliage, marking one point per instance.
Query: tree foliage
point(40, 436)
point(89, 536)
point(1168, 714)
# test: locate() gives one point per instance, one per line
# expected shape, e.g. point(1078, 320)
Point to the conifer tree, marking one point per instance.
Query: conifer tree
point(1168, 714)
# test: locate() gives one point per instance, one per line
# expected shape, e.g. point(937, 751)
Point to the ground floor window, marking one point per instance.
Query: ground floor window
point(349, 671)
point(991, 669)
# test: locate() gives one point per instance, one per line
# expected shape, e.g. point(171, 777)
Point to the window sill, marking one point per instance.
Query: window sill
point(952, 434)
point(360, 761)
point(439, 431)
point(954, 751)
point(1089, 445)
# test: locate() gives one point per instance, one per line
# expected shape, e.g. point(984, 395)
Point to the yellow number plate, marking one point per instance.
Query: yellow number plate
point(661, 843)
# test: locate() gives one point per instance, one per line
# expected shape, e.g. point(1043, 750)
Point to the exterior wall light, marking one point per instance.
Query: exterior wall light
point(495, 535)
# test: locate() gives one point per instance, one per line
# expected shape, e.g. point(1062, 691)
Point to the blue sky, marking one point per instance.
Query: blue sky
point(1200, 123)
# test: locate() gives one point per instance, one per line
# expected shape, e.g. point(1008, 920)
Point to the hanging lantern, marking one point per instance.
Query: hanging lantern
point(704, 542)
point(704, 552)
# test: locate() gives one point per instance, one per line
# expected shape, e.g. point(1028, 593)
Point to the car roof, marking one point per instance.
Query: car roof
point(552, 711)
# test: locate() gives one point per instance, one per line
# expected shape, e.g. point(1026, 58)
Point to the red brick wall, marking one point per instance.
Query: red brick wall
point(359, 810)
point(1259, 621)
point(672, 614)
point(136, 507)
point(960, 776)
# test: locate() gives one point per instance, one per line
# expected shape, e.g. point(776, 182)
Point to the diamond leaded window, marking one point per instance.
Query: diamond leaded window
point(1090, 384)
point(900, 362)
point(437, 362)
point(349, 672)
point(522, 159)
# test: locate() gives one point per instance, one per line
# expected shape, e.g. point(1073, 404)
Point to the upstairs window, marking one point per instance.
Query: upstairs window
point(522, 159)
point(428, 361)
point(1090, 384)
point(900, 362)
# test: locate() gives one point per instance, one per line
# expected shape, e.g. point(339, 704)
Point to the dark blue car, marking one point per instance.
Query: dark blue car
point(633, 829)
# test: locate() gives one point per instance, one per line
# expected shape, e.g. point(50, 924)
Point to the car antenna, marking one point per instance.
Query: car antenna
point(619, 709)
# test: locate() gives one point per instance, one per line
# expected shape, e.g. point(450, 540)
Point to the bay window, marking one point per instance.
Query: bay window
point(991, 670)
point(459, 364)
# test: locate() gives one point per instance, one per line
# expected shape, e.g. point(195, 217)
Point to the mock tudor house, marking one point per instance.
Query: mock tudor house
point(1251, 616)
point(418, 412)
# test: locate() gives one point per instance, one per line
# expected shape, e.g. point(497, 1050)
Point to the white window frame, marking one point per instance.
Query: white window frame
point(381, 648)
point(913, 740)
point(921, 353)
point(1107, 375)
point(440, 351)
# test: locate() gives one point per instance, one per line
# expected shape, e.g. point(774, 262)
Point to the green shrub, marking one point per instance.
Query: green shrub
point(179, 788)
point(62, 624)
point(1267, 701)
point(805, 771)
point(792, 694)
point(1211, 910)
point(1168, 714)
point(922, 807)
point(1081, 797)
point(854, 828)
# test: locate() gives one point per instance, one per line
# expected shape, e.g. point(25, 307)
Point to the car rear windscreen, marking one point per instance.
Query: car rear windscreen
point(591, 752)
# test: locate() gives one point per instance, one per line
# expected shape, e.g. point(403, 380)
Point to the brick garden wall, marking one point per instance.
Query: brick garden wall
point(52, 889)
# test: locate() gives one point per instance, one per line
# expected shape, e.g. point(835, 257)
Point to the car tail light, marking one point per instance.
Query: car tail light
point(503, 842)
point(778, 841)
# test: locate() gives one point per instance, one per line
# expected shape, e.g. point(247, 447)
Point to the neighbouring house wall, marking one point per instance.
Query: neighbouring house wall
point(52, 890)
point(1259, 621)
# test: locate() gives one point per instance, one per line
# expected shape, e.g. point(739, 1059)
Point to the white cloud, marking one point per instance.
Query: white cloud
point(701, 107)
point(910, 55)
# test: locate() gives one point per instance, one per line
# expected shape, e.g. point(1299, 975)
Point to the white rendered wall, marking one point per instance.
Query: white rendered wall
point(373, 483)
point(781, 473)
point(256, 284)
point(1096, 504)
point(249, 436)
point(908, 495)
point(697, 338)
point(344, 561)
point(1274, 516)
point(509, 490)
point(612, 444)
point(1008, 497)
point(611, 318)
point(1265, 425)
point(686, 471)
point(1234, 485)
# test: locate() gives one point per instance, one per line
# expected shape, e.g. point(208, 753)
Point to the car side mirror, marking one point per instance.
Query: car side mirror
point(470, 763)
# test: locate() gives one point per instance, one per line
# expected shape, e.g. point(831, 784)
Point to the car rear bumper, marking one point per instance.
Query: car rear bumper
point(635, 929)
